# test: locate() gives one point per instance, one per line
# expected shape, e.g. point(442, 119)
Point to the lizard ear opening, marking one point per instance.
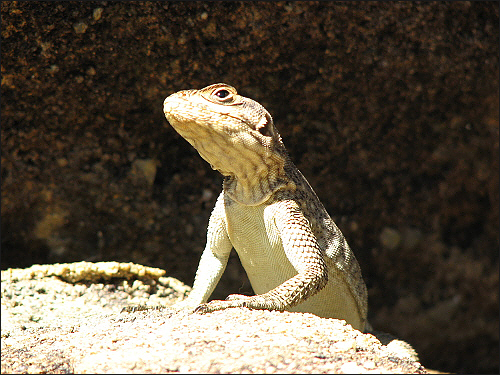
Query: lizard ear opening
point(265, 125)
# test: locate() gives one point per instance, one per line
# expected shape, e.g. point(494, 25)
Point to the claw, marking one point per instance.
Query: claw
point(132, 309)
point(202, 309)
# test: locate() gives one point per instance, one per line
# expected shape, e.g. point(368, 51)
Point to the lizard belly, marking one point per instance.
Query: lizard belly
point(335, 300)
point(256, 240)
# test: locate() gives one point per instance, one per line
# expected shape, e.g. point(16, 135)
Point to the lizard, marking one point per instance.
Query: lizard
point(295, 256)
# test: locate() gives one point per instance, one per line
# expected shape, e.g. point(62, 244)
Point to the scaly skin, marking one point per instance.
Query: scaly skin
point(295, 256)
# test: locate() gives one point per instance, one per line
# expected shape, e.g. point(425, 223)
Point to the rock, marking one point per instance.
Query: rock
point(53, 325)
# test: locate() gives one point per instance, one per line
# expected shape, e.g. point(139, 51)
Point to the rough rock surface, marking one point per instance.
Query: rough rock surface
point(390, 110)
point(55, 326)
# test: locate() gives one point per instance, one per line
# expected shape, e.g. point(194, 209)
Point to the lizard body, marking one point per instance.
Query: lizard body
point(295, 256)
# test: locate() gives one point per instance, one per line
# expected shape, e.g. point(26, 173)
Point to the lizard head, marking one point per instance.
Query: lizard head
point(219, 109)
point(235, 134)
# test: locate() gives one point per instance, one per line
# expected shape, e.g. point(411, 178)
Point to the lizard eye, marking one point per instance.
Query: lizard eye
point(223, 94)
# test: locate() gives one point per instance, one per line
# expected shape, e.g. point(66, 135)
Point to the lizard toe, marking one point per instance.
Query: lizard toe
point(237, 297)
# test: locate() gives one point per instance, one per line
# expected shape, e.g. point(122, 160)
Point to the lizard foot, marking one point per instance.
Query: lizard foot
point(134, 308)
point(185, 305)
point(259, 302)
point(234, 300)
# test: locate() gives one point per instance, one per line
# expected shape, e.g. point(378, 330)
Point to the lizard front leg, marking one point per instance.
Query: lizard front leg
point(213, 260)
point(302, 250)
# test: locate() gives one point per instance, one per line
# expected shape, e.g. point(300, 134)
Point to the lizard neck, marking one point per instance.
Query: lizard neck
point(251, 174)
point(254, 179)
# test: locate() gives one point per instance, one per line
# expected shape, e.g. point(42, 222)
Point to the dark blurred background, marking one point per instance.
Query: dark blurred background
point(390, 110)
